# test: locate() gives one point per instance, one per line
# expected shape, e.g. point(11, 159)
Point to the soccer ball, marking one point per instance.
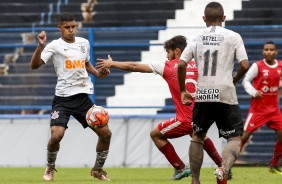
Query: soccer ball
point(97, 116)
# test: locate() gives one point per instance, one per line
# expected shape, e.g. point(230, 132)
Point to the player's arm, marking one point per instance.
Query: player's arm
point(101, 73)
point(280, 88)
point(128, 65)
point(249, 77)
point(186, 97)
point(186, 56)
point(242, 70)
point(36, 60)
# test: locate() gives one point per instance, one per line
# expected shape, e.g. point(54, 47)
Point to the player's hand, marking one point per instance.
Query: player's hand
point(104, 72)
point(42, 37)
point(258, 95)
point(186, 98)
point(103, 63)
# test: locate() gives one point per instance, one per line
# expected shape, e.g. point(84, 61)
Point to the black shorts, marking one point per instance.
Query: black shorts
point(227, 117)
point(63, 107)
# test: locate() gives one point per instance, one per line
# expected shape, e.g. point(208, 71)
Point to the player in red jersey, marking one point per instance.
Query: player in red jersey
point(264, 109)
point(181, 124)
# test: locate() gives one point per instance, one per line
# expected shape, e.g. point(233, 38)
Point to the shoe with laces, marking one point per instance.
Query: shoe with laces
point(179, 174)
point(100, 174)
point(221, 174)
point(275, 170)
point(49, 173)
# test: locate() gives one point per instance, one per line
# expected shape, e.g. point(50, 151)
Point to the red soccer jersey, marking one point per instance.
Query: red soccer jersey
point(267, 81)
point(168, 70)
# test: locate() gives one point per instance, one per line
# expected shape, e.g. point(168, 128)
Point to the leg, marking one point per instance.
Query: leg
point(229, 156)
point(170, 129)
point(212, 152)
point(162, 143)
point(277, 154)
point(245, 138)
point(231, 152)
point(196, 156)
point(57, 134)
point(102, 149)
point(167, 149)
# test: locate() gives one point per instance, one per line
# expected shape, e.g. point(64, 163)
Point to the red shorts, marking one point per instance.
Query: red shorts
point(174, 128)
point(256, 120)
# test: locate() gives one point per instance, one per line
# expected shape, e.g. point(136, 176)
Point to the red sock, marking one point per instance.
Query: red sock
point(221, 182)
point(170, 154)
point(212, 152)
point(277, 153)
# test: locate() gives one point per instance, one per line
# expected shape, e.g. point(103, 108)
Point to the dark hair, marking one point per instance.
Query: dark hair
point(176, 42)
point(270, 42)
point(66, 17)
point(214, 12)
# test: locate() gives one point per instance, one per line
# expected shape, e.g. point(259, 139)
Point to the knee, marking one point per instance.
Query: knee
point(152, 135)
point(57, 136)
point(106, 135)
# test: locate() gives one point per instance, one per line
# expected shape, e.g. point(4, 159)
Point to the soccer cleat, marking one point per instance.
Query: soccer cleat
point(49, 173)
point(230, 175)
point(275, 170)
point(179, 174)
point(220, 174)
point(100, 174)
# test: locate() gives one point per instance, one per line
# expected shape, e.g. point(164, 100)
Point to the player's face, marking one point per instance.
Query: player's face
point(269, 52)
point(68, 31)
point(170, 54)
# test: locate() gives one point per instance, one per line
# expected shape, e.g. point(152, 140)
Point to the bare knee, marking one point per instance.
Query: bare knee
point(57, 133)
point(104, 134)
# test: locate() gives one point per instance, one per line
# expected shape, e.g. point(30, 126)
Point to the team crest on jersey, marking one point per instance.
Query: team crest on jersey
point(265, 73)
point(82, 48)
point(55, 115)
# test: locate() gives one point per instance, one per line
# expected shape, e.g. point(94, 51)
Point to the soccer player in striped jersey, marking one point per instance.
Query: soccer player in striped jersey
point(215, 50)
point(181, 124)
point(262, 82)
point(71, 59)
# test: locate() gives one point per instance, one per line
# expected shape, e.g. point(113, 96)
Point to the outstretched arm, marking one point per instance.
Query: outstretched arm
point(36, 60)
point(128, 66)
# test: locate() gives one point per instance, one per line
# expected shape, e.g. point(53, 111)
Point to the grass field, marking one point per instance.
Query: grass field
point(242, 175)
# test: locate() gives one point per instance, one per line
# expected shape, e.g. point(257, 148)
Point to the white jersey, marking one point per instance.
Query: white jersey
point(215, 50)
point(69, 63)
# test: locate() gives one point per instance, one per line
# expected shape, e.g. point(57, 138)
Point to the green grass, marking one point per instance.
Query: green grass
point(242, 175)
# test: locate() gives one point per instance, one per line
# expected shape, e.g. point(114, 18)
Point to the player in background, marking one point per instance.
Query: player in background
point(181, 124)
point(215, 50)
point(262, 82)
point(71, 59)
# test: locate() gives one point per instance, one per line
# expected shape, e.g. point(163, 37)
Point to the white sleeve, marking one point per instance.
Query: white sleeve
point(47, 52)
point(187, 54)
point(250, 75)
point(241, 53)
point(157, 67)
